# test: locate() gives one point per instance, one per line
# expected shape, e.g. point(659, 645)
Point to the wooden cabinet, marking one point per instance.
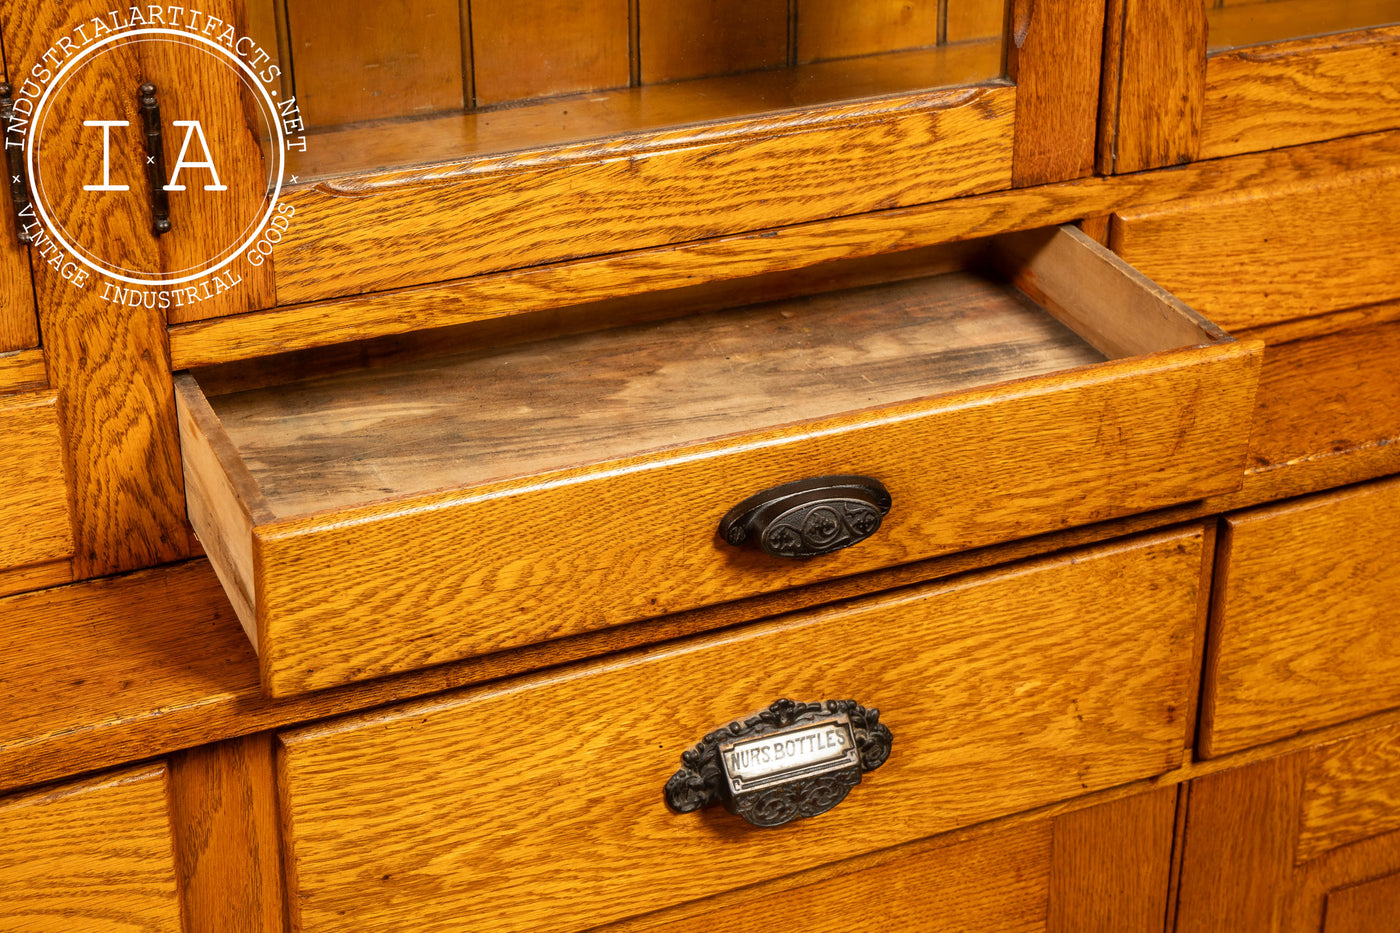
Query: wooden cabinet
point(558, 286)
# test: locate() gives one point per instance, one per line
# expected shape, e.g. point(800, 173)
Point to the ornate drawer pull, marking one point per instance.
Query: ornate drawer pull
point(809, 517)
point(791, 761)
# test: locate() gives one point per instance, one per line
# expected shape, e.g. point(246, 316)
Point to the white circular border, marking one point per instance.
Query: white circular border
point(276, 190)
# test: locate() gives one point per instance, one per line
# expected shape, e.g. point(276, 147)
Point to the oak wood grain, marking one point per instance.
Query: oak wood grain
point(1242, 835)
point(223, 805)
point(35, 577)
point(339, 441)
point(666, 188)
point(536, 48)
point(1300, 92)
point(1053, 57)
point(1300, 636)
point(1233, 25)
point(19, 327)
point(1351, 791)
point(446, 821)
point(23, 371)
point(1156, 112)
point(109, 364)
point(90, 857)
point(1241, 828)
point(832, 29)
point(1331, 396)
point(1110, 866)
point(1303, 246)
point(808, 245)
point(1369, 907)
point(207, 224)
point(994, 883)
point(681, 39)
point(290, 554)
point(35, 516)
point(975, 19)
point(370, 60)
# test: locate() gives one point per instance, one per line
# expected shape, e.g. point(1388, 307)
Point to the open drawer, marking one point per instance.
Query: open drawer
point(422, 511)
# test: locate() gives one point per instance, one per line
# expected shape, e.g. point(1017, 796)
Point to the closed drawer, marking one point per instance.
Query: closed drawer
point(90, 857)
point(1303, 628)
point(420, 512)
point(538, 804)
point(35, 518)
point(1300, 247)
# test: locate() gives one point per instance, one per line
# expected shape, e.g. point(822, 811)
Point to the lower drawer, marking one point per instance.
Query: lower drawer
point(1302, 629)
point(90, 857)
point(538, 805)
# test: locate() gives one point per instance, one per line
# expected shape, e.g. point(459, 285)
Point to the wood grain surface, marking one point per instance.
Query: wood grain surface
point(1302, 246)
point(371, 59)
point(1242, 835)
point(1369, 907)
point(1351, 791)
point(35, 517)
point(108, 364)
point(975, 19)
point(997, 883)
point(1110, 866)
point(90, 857)
point(1107, 695)
point(1300, 92)
point(834, 29)
point(681, 39)
point(223, 805)
point(670, 187)
point(805, 246)
point(1094, 869)
point(1300, 634)
point(1155, 112)
point(1048, 433)
point(1257, 22)
point(1332, 396)
point(447, 422)
point(23, 371)
point(1053, 57)
point(19, 328)
point(537, 48)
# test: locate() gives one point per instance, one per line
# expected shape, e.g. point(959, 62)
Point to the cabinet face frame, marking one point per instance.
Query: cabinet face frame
point(1168, 98)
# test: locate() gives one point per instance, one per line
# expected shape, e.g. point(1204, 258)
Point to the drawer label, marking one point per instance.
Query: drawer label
point(778, 756)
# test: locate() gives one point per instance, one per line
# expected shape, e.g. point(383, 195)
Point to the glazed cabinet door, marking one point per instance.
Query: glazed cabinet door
point(1305, 843)
point(1202, 79)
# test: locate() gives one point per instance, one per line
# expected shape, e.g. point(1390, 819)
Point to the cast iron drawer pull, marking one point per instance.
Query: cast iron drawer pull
point(155, 164)
point(792, 760)
point(809, 517)
point(14, 161)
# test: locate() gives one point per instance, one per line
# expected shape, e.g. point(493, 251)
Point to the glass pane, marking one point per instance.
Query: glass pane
point(1236, 23)
point(464, 78)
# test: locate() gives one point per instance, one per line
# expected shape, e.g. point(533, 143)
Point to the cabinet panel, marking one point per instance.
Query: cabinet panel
point(1301, 632)
point(92, 857)
point(35, 520)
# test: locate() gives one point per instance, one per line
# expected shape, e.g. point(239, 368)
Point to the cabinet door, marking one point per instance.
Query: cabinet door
point(1202, 79)
point(78, 70)
point(1305, 843)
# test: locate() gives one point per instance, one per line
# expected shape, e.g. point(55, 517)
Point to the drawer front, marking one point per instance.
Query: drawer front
point(1044, 875)
point(1302, 630)
point(1298, 248)
point(92, 857)
point(538, 805)
point(35, 518)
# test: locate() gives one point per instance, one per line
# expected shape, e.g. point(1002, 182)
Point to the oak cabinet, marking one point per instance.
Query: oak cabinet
point(939, 238)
